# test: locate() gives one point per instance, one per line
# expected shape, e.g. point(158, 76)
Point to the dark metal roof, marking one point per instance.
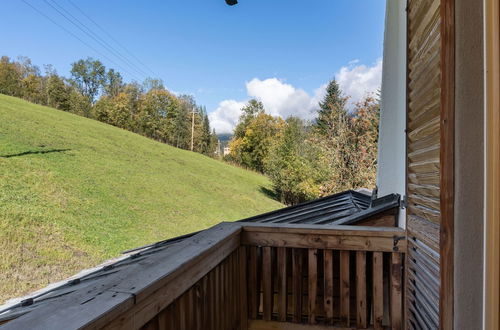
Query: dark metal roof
point(343, 208)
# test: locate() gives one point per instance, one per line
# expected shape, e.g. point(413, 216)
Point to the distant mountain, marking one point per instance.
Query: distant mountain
point(225, 137)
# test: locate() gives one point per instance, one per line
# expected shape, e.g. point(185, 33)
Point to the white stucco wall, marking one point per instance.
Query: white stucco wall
point(391, 169)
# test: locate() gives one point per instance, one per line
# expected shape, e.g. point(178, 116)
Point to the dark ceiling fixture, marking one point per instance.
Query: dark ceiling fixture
point(231, 2)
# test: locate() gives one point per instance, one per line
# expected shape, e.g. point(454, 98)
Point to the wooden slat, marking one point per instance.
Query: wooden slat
point(253, 297)
point(243, 288)
point(328, 286)
point(218, 299)
point(378, 290)
point(205, 303)
point(361, 308)
point(396, 290)
point(282, 292)
point(344, 289)
point(313, 284)
point(183, 311)
point(297, 285)
point(267, 283)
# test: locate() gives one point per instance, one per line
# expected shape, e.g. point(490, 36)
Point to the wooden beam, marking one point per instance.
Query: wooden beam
point(447, 161)
point(331, 230)
point(492, 226)
point(323, 241)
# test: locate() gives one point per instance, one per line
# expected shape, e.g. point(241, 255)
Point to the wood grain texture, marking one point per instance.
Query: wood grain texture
point(344, 289)
point(282, 283)
point(492, 248)
point(328, 286)
point(447, 164)
point(313, 284)
point(378, 291)
point(361, 309)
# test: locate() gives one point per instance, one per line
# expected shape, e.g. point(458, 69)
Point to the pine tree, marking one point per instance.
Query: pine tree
point(332, 108)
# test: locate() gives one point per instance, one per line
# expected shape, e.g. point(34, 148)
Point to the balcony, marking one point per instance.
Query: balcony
point(295, 268)
point(247, 276)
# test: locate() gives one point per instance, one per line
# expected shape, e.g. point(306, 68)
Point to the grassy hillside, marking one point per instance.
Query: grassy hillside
point(74, 192)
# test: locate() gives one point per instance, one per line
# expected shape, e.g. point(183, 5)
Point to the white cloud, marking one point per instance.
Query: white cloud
point(226, 116)
point(360, 80)
point(282, 99)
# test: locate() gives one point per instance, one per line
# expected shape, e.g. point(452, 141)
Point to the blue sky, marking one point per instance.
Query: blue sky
point(215, 52)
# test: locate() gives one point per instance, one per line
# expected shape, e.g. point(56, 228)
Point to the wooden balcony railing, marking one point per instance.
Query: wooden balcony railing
point(331, 277)
point(248, 276)
point(339, 277)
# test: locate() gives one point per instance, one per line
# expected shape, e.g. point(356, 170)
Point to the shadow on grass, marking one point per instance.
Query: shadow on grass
point(269, 193)
point(34, 152)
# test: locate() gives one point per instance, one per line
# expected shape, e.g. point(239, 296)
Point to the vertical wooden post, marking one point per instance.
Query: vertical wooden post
point(297, 285)
point(243, 288)
point(378, 290)
point(361, 289)
point(313, 284)
point(396, 289)
point(492, 226)
point(344, 289)
point(447, 162)
point(328, 286)
point(282, 292)
point(252, 283)
point(267, 283)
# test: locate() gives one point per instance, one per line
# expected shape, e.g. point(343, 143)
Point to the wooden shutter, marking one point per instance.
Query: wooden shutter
point(429, 286)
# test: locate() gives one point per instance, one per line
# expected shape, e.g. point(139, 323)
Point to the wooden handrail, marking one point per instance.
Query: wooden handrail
point(216, 263)
point(351, 238)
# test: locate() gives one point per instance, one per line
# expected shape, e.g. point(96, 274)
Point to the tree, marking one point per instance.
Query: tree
point(154, 107)
point(334, 135)
point(293, 164)
point(57, 92)
point(114, 83)
point(365, 122)
point(181, 122)
point(78, 103)
point(89, 76)
point(116, 111)
point(256, 133)
point(332, 108)
point(10, 77)
point(250, 111)
point(33, 89)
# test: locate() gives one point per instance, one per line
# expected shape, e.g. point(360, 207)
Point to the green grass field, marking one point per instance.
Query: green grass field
point(75, 192)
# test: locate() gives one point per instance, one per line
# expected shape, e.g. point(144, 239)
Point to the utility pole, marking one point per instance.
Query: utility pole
point(192, 128)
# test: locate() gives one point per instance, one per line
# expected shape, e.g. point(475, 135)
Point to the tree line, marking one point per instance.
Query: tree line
point(95, 92)
point(305, 160)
